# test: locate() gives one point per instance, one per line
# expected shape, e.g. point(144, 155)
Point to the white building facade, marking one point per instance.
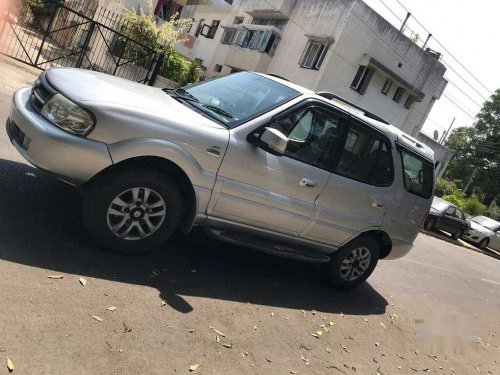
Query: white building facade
point(341, 46)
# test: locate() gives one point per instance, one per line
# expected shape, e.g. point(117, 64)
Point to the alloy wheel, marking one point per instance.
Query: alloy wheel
point(136, 213)
point(355, 264)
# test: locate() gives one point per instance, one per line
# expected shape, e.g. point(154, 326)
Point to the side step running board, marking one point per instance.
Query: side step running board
point(284, 251)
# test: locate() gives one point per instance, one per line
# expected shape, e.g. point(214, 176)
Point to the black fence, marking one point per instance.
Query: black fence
point(77, 34)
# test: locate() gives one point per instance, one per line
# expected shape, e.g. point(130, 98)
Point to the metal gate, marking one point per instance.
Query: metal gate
point(60, 35)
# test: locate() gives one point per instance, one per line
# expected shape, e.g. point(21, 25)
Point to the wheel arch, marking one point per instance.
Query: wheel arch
point(382, 239)
point(168, 167)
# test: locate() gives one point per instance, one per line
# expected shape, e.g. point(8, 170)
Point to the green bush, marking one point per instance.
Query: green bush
point(473, 207)
point(445, 187)
point(193, 73)
point(457, 199)
point(493, 212)
point(175, 67)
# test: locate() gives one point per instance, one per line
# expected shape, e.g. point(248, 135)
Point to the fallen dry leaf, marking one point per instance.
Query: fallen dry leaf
point(319, 333)
point(111, 308)
point(10, 364)
point(83, 281)
point(400, 356)
point(344, 348)
point(341, 314)
point(314, 335)
point(162, 303)
point(272, 314)
point(229, 346)
point(331, 323)
point(217, 331)
point(293, 372)
point(255, 328)
point(217, 339)
point(383, 325)
point(194, 367)
point(56, 277)
point(377, 344)
point(99, 319)
point(366, 320)
point(327, 349)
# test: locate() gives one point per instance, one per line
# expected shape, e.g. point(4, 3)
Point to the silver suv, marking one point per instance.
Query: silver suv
point(256, 160)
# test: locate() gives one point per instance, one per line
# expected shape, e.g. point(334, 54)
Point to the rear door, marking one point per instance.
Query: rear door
point(359, 189)
point(448, 221)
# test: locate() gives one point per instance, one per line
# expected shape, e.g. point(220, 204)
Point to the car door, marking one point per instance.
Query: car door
point(461, 222)
point(360, 188)
point(278, 193)
point(495, 240)
point(447, 222)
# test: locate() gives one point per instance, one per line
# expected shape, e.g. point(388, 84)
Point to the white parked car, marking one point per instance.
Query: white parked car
point(484, 232)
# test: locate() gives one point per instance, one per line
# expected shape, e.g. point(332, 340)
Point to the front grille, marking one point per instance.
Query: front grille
point(41, 92)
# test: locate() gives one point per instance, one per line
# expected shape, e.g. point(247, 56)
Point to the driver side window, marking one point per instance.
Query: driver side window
point(312, 134)
point(450, 211)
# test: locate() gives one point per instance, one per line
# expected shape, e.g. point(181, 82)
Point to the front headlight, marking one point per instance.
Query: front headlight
point(68, 115)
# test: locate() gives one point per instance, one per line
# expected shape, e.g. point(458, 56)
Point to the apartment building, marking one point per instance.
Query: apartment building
point(342, 46)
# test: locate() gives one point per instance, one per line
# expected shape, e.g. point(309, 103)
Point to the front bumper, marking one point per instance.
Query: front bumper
point(73, 158)
point(473, 236)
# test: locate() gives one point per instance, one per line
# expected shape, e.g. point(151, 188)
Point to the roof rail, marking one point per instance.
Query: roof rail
point(329, 95)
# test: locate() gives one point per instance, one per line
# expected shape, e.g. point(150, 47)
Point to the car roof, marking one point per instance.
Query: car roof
point(397, 134)
point(441, 204)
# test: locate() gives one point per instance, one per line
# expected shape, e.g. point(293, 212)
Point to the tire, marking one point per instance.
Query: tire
point(158, 216)
point(483, 244)
point(457, 235)
point(337, 277)
point(430, 224)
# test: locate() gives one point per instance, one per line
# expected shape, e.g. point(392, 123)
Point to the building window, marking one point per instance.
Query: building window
point(209, 31)
point(218, 68)
point(238, 20)
point(198, 29)
point(313, 55)
point(362, 79)
point(166, 9)
point(398, 94)
point(387, 86)
point(409, 101)
point(261, 40)
point(228, 36)
point(279, 24)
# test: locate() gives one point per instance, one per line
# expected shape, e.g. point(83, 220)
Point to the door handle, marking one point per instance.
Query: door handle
point(307, 182)
point(377, 204)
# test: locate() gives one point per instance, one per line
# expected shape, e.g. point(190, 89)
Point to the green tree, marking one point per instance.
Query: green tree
point(477, 151)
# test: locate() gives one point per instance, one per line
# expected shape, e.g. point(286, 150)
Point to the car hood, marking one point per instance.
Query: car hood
point(480, 228)
point(93, 88)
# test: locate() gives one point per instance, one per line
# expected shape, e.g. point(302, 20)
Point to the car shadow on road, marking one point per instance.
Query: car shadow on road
point(41, 227)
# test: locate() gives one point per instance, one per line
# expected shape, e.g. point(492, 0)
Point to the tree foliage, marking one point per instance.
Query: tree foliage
point(477, 149)
point(143, 27)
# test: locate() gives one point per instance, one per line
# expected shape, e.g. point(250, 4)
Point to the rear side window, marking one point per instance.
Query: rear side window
point(418, 174)
point(366, 157)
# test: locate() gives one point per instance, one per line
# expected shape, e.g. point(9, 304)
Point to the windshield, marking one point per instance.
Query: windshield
point(486, 222)
point(237, 98)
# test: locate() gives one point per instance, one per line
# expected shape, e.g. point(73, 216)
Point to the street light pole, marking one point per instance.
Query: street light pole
point(446, 132)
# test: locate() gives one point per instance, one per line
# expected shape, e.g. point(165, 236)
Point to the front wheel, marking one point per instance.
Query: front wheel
point(353, 263)
point(484, 243)
point(132, 211)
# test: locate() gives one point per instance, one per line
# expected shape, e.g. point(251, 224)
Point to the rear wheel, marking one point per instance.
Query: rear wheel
point(132, 211)
point(484, 243)
point(353, 263)
point(457, 235)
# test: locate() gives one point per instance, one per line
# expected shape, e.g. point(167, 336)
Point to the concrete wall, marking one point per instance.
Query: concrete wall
point(442, 154)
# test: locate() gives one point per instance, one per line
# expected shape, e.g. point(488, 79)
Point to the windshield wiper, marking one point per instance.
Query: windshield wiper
point(218, 110)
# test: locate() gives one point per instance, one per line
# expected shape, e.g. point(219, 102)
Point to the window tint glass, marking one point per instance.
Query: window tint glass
point(366, 157)
point(418, 175)
point(459, 214)
point(312, 134)
point(450, 211)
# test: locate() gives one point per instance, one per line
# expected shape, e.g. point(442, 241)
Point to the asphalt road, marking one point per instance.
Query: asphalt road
point(436, 310)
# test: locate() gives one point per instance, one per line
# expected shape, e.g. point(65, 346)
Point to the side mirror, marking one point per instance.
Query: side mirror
point(273, 141)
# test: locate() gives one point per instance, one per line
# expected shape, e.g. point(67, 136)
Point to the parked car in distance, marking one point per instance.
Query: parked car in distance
point(484, 232)
point(256, 160)
point(446, 216)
